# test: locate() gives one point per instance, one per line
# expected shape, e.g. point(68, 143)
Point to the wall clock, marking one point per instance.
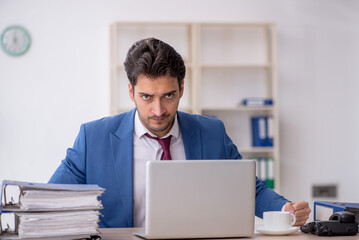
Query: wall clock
point(15, 40)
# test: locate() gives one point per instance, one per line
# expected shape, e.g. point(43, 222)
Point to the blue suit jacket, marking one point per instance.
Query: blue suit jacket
point(103, 154)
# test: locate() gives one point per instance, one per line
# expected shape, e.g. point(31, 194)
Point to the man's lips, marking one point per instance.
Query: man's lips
point(158, 119)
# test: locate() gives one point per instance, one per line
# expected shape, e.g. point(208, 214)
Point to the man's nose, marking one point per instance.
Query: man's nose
point(158, 108)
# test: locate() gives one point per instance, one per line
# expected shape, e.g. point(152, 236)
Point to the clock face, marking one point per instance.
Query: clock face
point(15, 40)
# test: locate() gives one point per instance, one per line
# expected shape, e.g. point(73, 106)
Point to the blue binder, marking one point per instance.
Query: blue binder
point(257, 102)
point(262, 132)
point(324, 209)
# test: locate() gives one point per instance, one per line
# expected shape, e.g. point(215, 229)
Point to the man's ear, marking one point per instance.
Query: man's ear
point(182, 89)
point(130, 91)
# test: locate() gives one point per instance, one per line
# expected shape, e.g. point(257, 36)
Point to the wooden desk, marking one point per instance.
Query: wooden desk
point(126, 234)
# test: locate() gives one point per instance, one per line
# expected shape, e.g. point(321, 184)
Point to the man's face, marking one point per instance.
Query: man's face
point(156, 101)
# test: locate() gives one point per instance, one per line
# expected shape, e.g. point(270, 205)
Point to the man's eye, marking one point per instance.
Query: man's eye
point(146, 97)
point(168, 96)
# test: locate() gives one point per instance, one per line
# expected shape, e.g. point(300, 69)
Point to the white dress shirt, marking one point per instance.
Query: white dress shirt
point(147, 149)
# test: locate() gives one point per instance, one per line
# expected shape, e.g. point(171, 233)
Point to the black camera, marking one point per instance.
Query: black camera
point(339, 224)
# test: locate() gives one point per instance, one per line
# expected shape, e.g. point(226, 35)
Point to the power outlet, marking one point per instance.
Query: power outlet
point(326, 191)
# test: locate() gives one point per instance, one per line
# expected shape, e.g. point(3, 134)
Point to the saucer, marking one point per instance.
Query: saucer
point(261, 229)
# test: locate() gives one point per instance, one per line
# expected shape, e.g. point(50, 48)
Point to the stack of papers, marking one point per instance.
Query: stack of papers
point(51, 210)
point(35, 200)
point(57, 224)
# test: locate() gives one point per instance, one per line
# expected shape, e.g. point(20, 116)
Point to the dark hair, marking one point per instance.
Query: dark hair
point(153, 58)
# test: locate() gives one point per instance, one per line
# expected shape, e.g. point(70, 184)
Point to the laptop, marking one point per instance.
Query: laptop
point(199, 199)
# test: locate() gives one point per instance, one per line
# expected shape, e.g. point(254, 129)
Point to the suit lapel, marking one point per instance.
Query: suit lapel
point(122, 151)
point(191, 137)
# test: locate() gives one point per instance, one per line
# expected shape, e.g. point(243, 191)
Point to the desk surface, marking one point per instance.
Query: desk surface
point(126, 234)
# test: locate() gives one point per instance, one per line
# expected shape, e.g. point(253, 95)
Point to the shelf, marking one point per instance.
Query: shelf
point(185, 109)
point(256, 150)
point(239, 108)
point(124, 109)
point(122, 67)
point(121, 110)
point(232, 24)
point(240, 66)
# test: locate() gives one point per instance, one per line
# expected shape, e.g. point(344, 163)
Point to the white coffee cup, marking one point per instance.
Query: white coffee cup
point(278, 220)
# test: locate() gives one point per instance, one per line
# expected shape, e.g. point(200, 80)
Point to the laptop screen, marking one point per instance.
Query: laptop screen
point(200, 198)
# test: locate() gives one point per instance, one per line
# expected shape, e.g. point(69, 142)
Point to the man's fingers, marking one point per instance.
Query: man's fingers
point(300, 205)
point(301, 217)
point(288, 207)
point(300, 223)
point(302, 212)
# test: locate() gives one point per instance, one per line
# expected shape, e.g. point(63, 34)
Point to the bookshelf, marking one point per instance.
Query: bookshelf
point(226, 62)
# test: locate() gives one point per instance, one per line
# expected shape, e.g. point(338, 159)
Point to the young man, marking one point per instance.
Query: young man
point(112, 152)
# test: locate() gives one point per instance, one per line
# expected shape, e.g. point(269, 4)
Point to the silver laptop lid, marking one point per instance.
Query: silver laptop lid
point(200, 198)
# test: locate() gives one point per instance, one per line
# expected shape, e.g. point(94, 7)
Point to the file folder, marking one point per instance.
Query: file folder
point(15, 203)
point(324, 209)
point(265, 171)
point(262, 131)
point(257, 102)
point(49, 211)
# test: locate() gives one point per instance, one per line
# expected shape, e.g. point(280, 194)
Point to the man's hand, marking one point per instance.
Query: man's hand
point(300, 209)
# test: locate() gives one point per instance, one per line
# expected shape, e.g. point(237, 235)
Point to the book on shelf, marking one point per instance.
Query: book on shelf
point(265, 171)
point(324, 209)
point(262, 131)
point(257, 102)
point(52, 211)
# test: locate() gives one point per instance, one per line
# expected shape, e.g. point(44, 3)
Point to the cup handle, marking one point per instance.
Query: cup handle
point(293, 219)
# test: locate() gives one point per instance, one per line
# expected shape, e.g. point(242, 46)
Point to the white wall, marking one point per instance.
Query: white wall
point(319, 55)
point(63, 81)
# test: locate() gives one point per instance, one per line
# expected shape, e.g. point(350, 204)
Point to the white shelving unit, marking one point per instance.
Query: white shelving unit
point(225, 63)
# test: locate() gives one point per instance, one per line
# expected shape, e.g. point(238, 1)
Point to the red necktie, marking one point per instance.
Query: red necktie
point(165, 144)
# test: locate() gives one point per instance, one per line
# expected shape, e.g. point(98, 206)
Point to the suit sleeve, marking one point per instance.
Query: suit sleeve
point(266, 198)
point(72, 169)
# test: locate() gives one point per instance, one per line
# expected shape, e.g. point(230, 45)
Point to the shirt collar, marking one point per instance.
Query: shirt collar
point(141, 130)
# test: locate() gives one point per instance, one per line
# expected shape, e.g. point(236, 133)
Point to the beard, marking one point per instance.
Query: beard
point(150, 122)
